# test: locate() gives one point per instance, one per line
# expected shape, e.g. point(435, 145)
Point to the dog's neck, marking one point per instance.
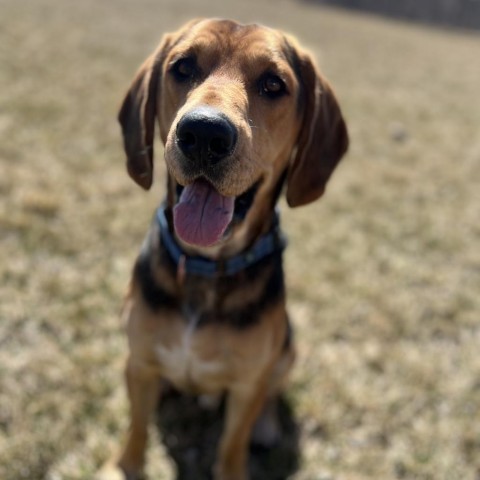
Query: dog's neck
point(255, 215)
point(186, 263)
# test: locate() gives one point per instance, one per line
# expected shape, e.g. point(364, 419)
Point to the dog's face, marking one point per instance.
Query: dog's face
point(234, 86)
point(240, 109)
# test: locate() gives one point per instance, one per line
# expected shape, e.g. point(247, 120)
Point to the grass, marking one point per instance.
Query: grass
point(384, 273)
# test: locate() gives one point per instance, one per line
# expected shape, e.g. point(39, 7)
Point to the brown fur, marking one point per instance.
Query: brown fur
point(223, 334)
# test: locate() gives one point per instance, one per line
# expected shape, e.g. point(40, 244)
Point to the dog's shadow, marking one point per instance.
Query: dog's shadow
point(190, 434)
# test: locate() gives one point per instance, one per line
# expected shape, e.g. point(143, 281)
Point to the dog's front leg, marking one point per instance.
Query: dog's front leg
point(244, 404)
point(143, 385)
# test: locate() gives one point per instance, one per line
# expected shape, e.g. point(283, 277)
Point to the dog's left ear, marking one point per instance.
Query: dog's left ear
point(137, 117)
point(323, 138)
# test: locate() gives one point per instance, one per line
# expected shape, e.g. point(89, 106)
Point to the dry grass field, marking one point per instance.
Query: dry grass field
point(383, 273)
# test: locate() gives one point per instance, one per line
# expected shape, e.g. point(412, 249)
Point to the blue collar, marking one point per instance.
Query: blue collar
point(272, 242)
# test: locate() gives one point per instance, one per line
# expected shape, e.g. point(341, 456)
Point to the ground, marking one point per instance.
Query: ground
point(383, 272)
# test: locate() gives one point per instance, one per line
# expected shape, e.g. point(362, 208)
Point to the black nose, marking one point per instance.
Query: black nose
point(206, 135)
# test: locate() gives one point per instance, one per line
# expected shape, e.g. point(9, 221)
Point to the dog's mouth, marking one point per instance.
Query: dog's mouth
point(203, 217)
point(202, 214)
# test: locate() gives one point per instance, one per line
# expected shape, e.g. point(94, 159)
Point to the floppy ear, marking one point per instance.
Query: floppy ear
point(322, 141)
point(137, 117)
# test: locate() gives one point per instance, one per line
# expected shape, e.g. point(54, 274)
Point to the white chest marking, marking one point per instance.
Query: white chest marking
point(181, 361)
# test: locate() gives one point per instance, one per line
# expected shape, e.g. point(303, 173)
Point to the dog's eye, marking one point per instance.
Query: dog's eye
point(184, 69)
point(272, 86)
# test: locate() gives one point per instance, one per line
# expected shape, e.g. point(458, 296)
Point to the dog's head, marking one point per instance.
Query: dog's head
point(241, 109)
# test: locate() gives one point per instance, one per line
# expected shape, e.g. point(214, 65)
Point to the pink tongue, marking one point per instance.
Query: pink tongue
point(202, 214)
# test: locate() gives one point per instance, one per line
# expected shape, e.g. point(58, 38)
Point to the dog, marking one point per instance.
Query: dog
point(244, 114)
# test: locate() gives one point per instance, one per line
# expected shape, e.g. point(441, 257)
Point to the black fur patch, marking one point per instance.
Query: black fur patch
point(154, 295)
point(248, 314)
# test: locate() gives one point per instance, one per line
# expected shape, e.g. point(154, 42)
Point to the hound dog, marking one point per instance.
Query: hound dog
point(243, 113)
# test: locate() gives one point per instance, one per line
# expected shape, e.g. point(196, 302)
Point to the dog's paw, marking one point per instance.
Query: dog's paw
point(231, 477)
point(112, 471)
point(219, 475)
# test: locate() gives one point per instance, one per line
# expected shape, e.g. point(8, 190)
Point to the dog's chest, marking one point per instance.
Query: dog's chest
point(216, 336)
point(194, 359)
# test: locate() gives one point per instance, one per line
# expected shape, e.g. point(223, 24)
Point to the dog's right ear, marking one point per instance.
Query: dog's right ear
point(137, 116)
